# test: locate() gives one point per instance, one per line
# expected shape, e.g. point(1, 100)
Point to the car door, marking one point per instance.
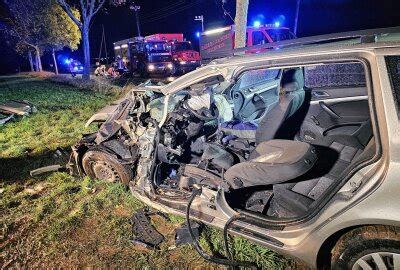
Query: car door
point(339, 108)
point(255, 93)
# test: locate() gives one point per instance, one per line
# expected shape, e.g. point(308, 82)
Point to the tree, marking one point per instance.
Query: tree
point(40, 25)
point(61, 31)
point(88, 8)
point(25, 26)
point(242, 7)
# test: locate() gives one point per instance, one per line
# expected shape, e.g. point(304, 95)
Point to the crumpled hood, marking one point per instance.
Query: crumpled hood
point(112, 125)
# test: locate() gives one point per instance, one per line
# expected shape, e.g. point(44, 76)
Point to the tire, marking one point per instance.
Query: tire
point(104, 166)
point(369, 244)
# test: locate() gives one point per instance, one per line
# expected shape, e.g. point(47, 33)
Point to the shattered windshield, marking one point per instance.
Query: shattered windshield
point(196, 76)
point(182, 46)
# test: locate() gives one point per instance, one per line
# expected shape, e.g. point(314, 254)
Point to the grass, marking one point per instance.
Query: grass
point(56, 220)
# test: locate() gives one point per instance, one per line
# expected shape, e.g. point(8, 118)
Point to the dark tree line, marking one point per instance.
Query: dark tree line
point(34, 27)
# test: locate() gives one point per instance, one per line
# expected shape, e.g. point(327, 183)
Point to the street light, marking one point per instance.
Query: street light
point(136, 8)
point(200, 18)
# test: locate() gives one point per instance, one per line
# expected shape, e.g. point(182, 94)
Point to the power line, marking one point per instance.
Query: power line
point(177, 10)
point(226, 13)
point(164, 9)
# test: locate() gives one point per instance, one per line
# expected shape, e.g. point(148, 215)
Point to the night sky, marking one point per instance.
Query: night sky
point(163, 16)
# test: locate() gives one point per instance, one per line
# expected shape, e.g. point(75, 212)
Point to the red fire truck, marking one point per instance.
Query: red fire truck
point(145, 57)
point(163, 54)
point(217, 43)
point(184, 57)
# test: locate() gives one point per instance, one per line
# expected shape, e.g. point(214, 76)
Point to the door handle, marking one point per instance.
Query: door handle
point(257, 98)
point(320, 94)
point(329, 110)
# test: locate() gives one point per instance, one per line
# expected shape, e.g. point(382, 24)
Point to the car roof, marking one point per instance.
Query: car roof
point(228, 65)
point(391, 40)
point(267, 27)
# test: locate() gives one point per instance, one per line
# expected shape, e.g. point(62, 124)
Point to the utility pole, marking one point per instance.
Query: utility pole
point(242, 7)
point(296, 17)
point(136, 8)
point(200, 18)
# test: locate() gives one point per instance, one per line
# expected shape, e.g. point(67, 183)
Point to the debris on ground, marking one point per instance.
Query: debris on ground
point(182, 234)
point(13, 109)
point(35, 190)
point(46, 169)
point(60, 156)
point(145, 234)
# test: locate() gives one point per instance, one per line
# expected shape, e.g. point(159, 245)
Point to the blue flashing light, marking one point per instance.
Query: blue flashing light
point(197, 34)
point(256, 24)
point(67, 61)
point(277, 24)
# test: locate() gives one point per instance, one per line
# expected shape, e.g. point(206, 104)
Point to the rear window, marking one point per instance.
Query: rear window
point(259, 38)
point(335, 75)
point(393, 66)
point(280, 34)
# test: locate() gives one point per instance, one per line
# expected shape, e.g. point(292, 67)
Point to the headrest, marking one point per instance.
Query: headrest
point(293, 79)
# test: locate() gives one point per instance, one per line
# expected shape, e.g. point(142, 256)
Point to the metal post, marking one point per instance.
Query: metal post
point(296, 17)
point(55, 62)
point(200, 18)
point(136, 8)
point(105, 44)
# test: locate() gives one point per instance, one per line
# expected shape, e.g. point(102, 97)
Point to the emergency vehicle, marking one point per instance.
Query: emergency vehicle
point(219, 42)
point(185, 58)
point(163, 54)
point(145, 57)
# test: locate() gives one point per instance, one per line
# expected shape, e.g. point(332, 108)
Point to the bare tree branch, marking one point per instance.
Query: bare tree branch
point(101, 3)
point(91, 8)
point(84, 10)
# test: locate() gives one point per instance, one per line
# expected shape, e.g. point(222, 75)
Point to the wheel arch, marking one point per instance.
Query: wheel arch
point(324, 252)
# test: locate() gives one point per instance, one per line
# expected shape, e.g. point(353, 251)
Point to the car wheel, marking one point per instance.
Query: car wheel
point(367, 248)
point(104, 166)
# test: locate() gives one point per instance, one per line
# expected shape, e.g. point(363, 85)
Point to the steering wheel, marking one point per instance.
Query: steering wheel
point(203, 114)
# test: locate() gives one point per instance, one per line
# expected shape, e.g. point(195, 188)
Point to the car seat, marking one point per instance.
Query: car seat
point(272, 162)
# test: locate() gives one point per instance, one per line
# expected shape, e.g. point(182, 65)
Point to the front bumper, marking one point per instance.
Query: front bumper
point(160, 68)
point(186, 66)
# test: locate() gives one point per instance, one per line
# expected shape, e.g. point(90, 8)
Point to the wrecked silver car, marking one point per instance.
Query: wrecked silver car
point(289, 149)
